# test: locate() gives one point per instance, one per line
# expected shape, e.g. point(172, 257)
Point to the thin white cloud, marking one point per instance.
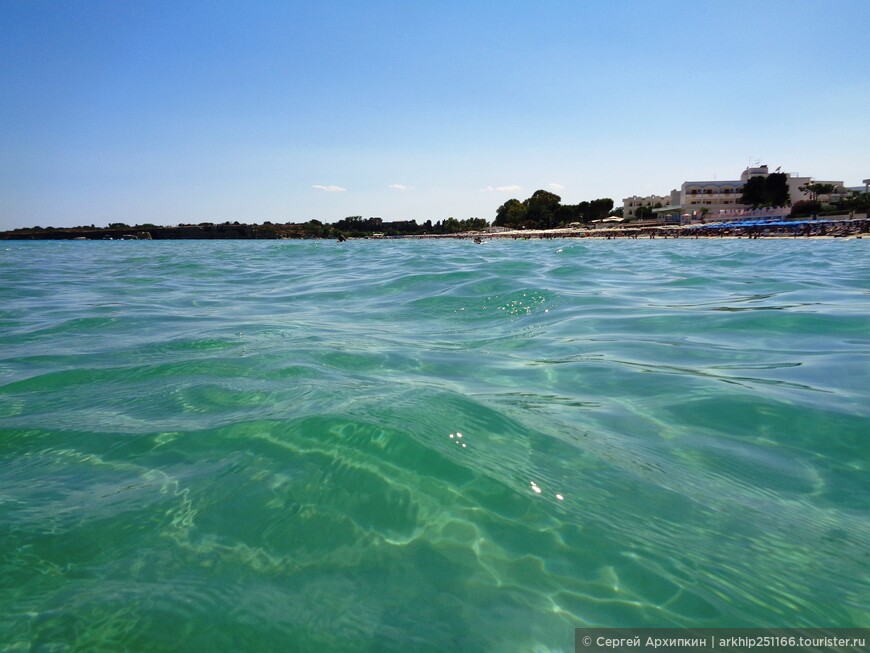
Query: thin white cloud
point(502, 189)
point(329, 189)
point(554, 186)
point(401, 187)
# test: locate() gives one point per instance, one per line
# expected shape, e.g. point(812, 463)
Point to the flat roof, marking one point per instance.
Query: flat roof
point(736, 182)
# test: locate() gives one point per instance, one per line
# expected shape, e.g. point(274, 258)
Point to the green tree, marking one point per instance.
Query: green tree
point(806, 207)
point(474, 224)
point(814, 190)
point(776, 187)
point(510, 214)
point(855, 202)
point(643, 213)
point(600, 208)
point(541, 208)
point(766, 191)
point(567, 213)
point(451, 226)
point(753, 192)
point(544, 210)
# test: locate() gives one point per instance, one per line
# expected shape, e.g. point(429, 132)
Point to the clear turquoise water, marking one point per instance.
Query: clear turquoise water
point(215, 446)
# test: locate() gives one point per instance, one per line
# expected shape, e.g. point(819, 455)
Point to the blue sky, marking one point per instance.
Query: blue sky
point(170, 112)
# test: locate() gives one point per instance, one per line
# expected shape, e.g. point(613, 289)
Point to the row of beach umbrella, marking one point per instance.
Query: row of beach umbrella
point(758, 223)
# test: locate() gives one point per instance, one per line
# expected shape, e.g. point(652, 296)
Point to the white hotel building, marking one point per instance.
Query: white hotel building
point(721, 199)
point(630, 205)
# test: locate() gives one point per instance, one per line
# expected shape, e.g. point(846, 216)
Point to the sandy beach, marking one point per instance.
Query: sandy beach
point(818, 229)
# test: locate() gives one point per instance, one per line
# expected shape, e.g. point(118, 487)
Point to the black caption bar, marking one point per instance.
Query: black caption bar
point(722, 640)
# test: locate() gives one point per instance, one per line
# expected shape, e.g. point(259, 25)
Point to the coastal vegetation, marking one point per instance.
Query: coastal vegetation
point(646, 212)
point(353, 226)
point(543, 210)
point(814, 190)
point(852, 203)
point(770, 191)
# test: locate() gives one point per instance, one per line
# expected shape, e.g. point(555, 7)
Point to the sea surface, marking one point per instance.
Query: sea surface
point(255, 445)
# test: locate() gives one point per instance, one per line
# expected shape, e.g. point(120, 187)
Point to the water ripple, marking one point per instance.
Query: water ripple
point(256, 445)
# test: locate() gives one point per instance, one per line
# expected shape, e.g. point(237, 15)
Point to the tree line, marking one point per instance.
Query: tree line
point(352, 226)
point(544, 210)
point(356, 225)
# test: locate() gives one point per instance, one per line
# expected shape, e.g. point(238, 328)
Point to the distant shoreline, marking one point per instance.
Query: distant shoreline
point(822, 228)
